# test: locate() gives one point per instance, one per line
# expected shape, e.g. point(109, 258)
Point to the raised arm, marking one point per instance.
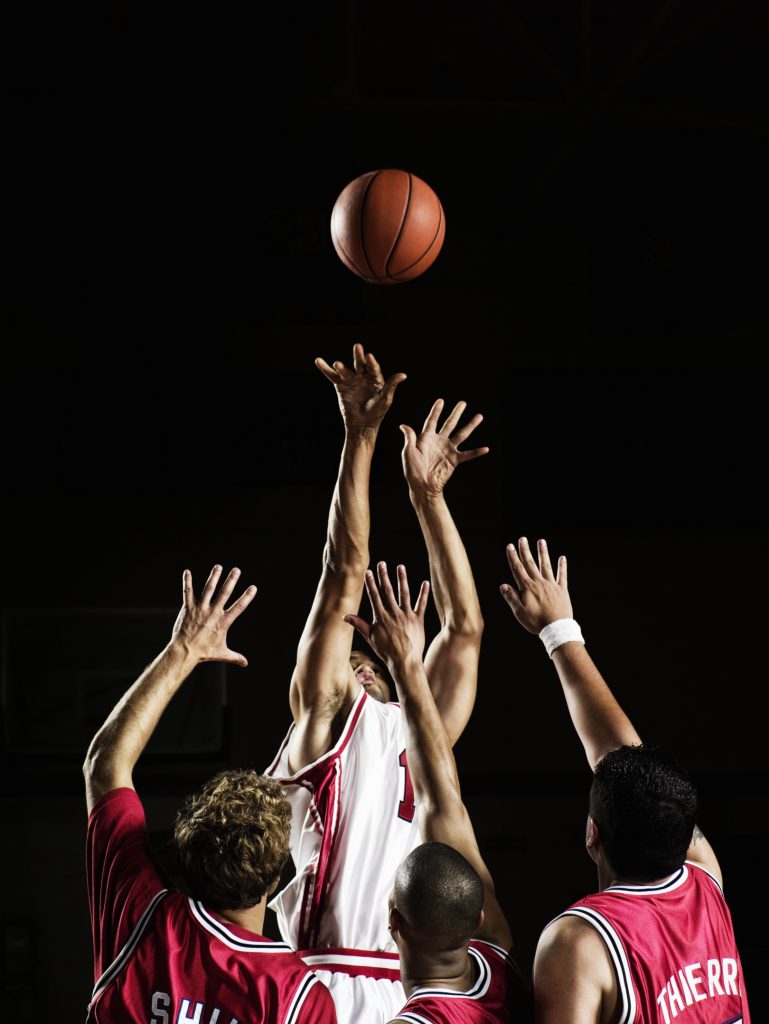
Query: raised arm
point(199, 634)
point(396, 634)
point(323, 681)
point(451, 663)
point(540, 599)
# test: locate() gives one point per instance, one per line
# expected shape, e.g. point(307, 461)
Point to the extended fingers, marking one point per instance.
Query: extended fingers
point(473, 453)
point(544, 560)
point(328, 371)
point(432, 417)
point(390, 385)
point(210, 585)
point(227, 587)
point(527, 558)
point(373, 594)
point(511, 597)
point(421, 605)
point(385, 587)
point(464, 432)
point(241, 604)
point(562, 579)
point(453, 418)
point(358, 358)
point(187, 593)
point(404, 597)
point(517, 567)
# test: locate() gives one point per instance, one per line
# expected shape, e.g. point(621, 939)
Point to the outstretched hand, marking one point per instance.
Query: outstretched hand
point(364, 394)
point(396, 632)
point(430, 458)
point(201, 625)
point(539, 597)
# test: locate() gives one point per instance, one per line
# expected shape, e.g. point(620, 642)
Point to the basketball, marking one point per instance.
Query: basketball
point(387, 226)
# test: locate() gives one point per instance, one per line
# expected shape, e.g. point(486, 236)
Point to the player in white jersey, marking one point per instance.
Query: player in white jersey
point(343, 761)
point(454, 941)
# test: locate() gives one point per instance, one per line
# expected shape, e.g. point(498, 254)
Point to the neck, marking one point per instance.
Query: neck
point(453, 969)
point(607, 876)
point(250, 918)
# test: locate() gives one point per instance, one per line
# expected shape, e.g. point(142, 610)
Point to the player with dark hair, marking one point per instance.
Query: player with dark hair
point(343, 762)
point(454, 941)
point(656, 942)
point(193, 957)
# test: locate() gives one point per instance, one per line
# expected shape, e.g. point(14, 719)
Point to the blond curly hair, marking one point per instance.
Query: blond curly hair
point(232, 837)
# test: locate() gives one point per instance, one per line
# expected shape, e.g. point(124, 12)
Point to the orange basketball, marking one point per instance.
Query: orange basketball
point(387, 226)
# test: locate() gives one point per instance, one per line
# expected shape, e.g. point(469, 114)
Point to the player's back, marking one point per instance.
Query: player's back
point(188, 967)
point(673, 949)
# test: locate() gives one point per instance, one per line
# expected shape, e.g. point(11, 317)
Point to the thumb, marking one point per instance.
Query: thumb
point(409, 437)
point(391, 384)
point(360, 624)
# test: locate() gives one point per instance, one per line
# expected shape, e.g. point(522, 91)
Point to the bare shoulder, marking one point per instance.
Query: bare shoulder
point(574, 980)
point(701, 853)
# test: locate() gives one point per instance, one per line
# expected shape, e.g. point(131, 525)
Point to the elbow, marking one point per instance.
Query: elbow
point(96, 766)
point(469, 625)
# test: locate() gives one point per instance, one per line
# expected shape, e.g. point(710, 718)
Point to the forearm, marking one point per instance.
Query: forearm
point(117, 745)
point(453, 586)
point(431, 761)
point(346, 547)
point(599, 721)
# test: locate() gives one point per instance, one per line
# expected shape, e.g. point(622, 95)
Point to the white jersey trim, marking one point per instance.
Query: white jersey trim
point(478, 990)
point(301, 994)
point(333, 752)
point(618, 956)
point(128, 949)
point(223, 933)
point(675, 881)
point(413, 1018)
point(351, 960)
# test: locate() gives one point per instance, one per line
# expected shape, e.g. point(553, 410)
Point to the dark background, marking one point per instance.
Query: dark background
point(169, 279)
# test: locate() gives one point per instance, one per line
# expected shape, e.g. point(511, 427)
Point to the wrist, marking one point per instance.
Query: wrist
point(559, 632)
point(424, 499)
point(183, 652)
point(359, 434)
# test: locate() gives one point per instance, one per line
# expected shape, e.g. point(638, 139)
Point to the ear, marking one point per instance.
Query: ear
point(481, 919)
point(395, 921)
point(592, 836)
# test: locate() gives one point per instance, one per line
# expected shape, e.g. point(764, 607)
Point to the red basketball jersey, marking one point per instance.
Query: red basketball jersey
point(498, 996)
point(673, 950)
point(163, 958)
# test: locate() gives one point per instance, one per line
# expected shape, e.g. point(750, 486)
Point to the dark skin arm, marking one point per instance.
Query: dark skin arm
point(396, 633)
point(429, 461)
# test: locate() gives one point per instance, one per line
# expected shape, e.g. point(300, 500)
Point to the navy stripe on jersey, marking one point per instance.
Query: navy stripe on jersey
point(619, 959)
point(478, 991)
point(301, 994)
point(229, 938)
point(673, 882)
point(717, 884)
point(413, 1018)
point(127, 951)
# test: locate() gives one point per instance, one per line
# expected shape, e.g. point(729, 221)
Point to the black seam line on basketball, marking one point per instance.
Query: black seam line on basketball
point(429, 247)
point(362, 220)
point(394, 246)
point(353, 263)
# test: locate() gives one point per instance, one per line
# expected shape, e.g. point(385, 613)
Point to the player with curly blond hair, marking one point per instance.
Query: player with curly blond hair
point(196, 956)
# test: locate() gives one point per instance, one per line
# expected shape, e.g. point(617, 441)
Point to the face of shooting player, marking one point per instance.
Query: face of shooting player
point(371, 676)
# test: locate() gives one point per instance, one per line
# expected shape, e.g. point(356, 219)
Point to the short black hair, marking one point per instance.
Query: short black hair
point(645, 807)
point(440, 895)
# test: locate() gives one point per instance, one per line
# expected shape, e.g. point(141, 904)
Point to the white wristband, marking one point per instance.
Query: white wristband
point(560, 632)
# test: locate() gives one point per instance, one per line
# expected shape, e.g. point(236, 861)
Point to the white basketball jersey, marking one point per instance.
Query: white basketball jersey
point(353, 822)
